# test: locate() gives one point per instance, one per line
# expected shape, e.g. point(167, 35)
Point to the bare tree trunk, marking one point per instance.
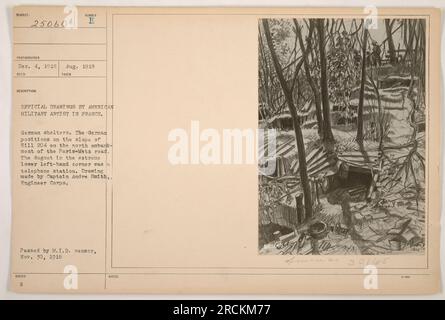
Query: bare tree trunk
point(391, 47)
point(359, 137)
point(327, 131)
point(296, 122)
point(264, 76)
point(311, 82)
point(410, 28)
point(380, 112)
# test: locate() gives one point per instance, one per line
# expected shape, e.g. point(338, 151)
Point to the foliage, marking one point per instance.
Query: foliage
point(281, 31)
point(343, 71)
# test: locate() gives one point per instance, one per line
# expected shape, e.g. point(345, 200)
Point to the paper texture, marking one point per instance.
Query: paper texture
point(125, 177)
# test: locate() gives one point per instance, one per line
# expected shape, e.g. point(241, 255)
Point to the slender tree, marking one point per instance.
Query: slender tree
point(391, 48)
point(310, 80)
point(359, 137)
point(295, 119)
point(327, 131)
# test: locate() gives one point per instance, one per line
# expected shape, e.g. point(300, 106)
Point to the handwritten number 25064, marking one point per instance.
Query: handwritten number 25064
point(48, 24)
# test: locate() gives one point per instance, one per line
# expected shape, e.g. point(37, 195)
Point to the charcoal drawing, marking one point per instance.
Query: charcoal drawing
point(348, 103)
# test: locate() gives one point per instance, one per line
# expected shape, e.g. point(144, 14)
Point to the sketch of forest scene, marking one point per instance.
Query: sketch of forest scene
point(347, 101)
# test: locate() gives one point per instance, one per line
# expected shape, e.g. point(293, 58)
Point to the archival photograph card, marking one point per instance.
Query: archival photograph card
point(225, 150)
